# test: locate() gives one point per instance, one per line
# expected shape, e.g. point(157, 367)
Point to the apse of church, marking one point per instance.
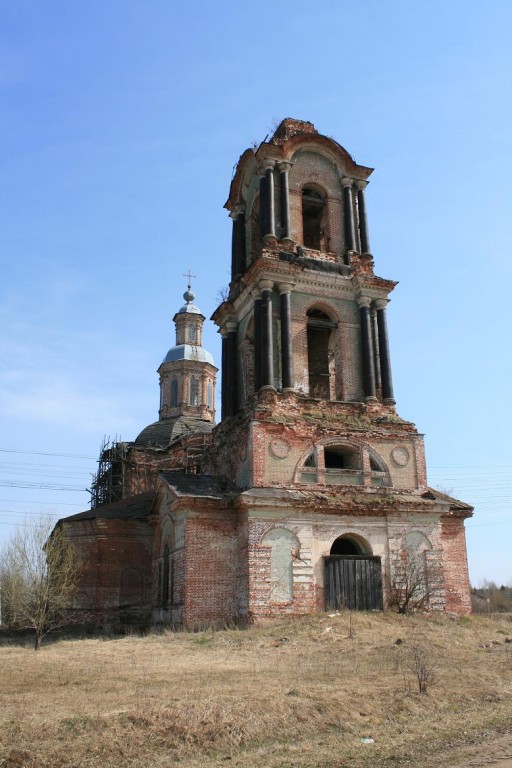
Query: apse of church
point(311, 493)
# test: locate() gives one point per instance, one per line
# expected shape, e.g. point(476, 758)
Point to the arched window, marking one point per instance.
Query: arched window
point(194, 391)
point(165, 576)
point(210, 394)
point(174, 393)
point(319, 331)
point(313, 205)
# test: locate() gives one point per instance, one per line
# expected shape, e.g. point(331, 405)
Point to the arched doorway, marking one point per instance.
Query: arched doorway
point(352, 576)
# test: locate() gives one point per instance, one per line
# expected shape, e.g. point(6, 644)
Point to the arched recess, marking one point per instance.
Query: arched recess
point(166, 564)
point(130, 587)
point(321, 343)
point(350, 544)
point(413, 572)
point(417, 542)
point(314, 217)
point(284, 546)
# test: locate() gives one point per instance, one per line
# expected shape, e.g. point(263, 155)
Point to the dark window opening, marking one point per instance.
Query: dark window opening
point(194, 392)
point(374, 466)
point(313, 205)
point(174, 393)
point(318, 363)
point(342, 458)
point(310, 461)
point(319, 329)
point(344, 546)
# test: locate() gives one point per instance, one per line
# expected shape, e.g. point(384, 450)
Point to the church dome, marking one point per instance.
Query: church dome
point(188, 352)
point(161, 433)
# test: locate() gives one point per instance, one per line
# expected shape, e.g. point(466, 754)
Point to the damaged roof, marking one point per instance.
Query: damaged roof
point(435, 495)
point(127, 509)
point(205, 486)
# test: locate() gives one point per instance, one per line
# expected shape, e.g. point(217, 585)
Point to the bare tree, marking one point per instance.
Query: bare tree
point(39, 574)
point(416, 582)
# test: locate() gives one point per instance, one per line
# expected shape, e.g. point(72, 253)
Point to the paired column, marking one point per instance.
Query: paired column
point(366, 338)
point(257, 339)
point(348, 211)
point(284, 169)
point(385, 360)
point(362, 220)
point(229, 370)
point(269, 206)
point(286, 335)
point(263, 336)
point(267, 346)
point(375, 349)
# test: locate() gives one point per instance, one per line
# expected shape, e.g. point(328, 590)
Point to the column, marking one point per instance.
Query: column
point(233, 244)
point(348, 210)
point(385, 360)
point(286, 335)
point(375, 346)
point(366, 339)
point(284, 168)
point(362, 221)
point(267, 347)
point(257, 339)
point(269, 199)
point(229, 370)
point(263, 206)
point(240, 241)
point(224, 366)
point(232, 372)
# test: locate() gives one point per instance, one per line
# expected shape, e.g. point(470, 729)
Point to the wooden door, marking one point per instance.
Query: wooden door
point(353, 582)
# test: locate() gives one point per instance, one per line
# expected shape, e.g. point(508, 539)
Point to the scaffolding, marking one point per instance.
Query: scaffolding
point(122, 474)
point(109, 482)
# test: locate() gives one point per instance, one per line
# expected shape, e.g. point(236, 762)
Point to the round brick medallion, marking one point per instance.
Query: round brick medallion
point(280, 448)
point(400, 455)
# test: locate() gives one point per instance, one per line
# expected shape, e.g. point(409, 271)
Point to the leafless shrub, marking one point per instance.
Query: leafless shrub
point(423, 667)
point(415, 583)
point(223, 294)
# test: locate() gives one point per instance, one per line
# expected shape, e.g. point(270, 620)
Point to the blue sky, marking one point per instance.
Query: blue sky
point(120, 124)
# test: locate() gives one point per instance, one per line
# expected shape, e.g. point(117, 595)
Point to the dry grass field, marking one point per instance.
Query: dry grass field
point(302, 693)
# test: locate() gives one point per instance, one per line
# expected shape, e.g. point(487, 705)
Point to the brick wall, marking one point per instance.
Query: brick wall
point(453, 542)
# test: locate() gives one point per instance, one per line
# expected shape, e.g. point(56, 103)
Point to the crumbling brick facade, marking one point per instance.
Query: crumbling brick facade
point(312, 491)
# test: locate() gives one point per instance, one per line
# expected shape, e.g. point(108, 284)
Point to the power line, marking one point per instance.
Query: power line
point(38, 501)
point(47, 453)
point(42, 486)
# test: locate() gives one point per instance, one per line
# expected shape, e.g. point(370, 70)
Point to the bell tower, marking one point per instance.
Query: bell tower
point(309, 432)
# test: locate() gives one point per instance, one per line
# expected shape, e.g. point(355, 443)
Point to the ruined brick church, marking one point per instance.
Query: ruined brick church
point(311, 491)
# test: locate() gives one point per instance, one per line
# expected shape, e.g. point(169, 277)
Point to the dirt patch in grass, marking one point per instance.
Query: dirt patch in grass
point(301, 692)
